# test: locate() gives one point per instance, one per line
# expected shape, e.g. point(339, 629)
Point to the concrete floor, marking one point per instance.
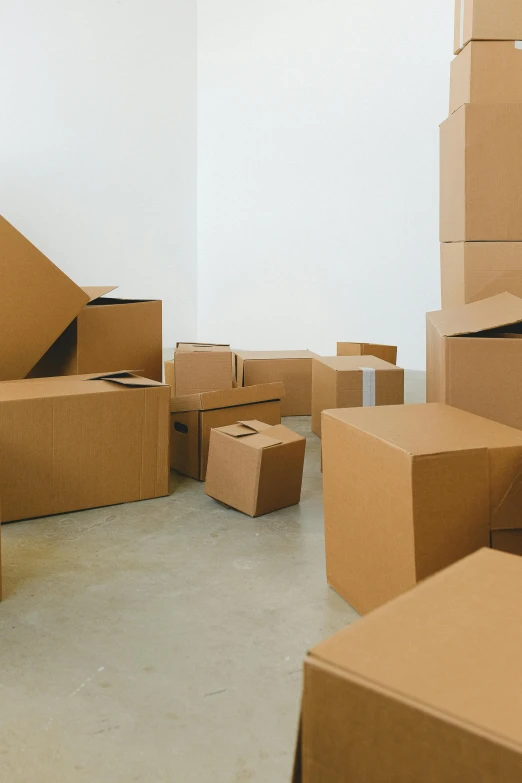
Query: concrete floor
point(163, 641)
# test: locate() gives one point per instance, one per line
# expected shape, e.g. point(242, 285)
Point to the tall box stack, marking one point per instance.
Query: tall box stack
point(481, 155)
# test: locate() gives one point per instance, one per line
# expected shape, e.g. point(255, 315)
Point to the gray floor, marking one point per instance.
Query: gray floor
point(163, 641)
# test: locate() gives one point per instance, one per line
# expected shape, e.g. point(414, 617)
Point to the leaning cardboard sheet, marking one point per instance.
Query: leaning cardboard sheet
point(78, 442)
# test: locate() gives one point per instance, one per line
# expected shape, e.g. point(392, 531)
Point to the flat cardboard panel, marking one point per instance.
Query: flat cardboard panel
point(324, 385)
point(442, 705)
point(185, 442)
point(471, 271)
point(281, 475)
point(486, 72)
point(233, 472)
point(70, 444)
point(169, 375)
point(386, 352)
point(487, 20)
point(228, 398)
point(292, 368)
point(200, 369)
point(37, 302)
point(507, 541)
point(481, 170)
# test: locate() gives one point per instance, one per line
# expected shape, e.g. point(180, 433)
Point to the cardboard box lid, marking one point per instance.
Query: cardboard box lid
point(274, 354)
point(202, 347)
point(251, 433)
point(354, 363)
point(72, 385)
point(500, 310)
point(95, 291)
point(228, 398)
point(451, 645)
point(37, 303)
point(431, 428)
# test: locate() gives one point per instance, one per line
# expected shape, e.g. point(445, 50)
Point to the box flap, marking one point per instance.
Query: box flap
point(347, 363)
point(500, 310)
point(37, 303)
point(202, 347)
point(125, 378)
point(249, 355)
point(228, 398)
point(95, 291)
point(256, 426)
point(251, 434)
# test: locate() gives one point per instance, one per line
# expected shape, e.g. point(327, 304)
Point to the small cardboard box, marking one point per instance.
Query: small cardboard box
point(37, 302)
point(410, 489)
point(78, 442)
point(201, 367)
point(474, 358)
point(477, 270)
point(193, 416)
point(487, 20)
point(480, 174)
point(108, 335)
point(487, 72)
point(425, 689)
point(293, 368)
point(386, 352)
point(352, 382)
point(255, 468)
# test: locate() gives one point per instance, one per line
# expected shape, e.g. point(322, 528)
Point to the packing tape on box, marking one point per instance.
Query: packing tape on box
point(518, 44)
point(368, 386)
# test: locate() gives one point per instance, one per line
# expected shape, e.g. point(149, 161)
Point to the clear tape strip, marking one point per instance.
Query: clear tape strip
point(368, 386)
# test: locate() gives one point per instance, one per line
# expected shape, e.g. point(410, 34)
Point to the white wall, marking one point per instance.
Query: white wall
point(98, 142)
point(318, 170)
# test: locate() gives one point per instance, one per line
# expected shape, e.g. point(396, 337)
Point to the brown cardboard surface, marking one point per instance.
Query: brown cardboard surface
point(386, 352)
point(442, 704)
point(469, 343)
point(480, 174)
point(202, 367)
point(37, 302)
point(108, 334)
point(255, 473)
point(169, 374)
point(76, 442)
point(293, 368)
point(337, 382)
point(193, 417)
point(380, 543)
point(477, 270)
point(486, 72)
point(507, 541)
point(487, 20)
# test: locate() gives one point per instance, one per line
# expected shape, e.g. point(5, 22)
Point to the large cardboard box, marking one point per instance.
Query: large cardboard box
point(293, 368)
point(200, 368)
point(79, 442)
point(480, 174)
point(487, 72)
point(477, 270)
point(487, 20)
point(108, 335)
point(255, 468)
point(37, 302)
point(426, 690)
point(386, 352)
point(409, 490)
point(474, 358)
point(351, 382)
point(193, 417)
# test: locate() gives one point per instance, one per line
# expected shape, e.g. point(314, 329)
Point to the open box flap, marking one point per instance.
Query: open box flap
point(500, 310)
point(125, 378)
point(251, 434)
point(95, 291)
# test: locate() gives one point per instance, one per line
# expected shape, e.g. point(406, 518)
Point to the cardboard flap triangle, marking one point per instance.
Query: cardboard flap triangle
point(255, 425)
point(95, 291)
point(251, 435)
point(125, 378)
point(500, 310)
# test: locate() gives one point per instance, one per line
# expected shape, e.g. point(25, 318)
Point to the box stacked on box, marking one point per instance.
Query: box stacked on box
point(481, 156)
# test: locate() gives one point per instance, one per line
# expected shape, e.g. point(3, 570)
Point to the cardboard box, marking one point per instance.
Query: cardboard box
point(255, 468)
point(410, 489)
point(477, 270)
point(487, 20)
point(201, 367)
point(352, 382)
point(474, 358)
point(108, 335)
point(79, 442)
point(37, 302)
point(487, 72)
point(293, 368)
point(480, 174)
point(386, 352)
point(193, 416)
point(426, 690)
